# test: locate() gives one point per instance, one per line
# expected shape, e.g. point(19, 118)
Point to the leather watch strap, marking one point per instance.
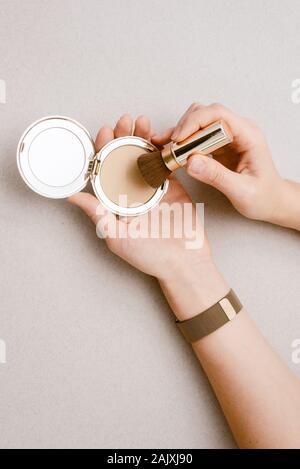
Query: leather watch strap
point(211, 319)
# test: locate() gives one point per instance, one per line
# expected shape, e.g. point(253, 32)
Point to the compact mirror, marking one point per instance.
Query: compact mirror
point(54, 155)
point(56, 158)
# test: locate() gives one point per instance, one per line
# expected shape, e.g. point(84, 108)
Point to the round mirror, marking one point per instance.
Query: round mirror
point(54, 155)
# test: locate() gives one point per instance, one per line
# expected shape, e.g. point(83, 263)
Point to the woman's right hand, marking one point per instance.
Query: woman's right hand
point(243, 171)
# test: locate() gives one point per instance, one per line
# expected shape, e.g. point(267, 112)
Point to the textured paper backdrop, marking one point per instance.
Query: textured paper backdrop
point(93, 356)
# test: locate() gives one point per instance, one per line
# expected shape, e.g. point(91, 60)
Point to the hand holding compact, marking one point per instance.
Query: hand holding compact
point(163, 258)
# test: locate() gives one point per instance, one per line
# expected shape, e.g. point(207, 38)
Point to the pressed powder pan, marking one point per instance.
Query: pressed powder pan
point(56, 158)
point(120, 175)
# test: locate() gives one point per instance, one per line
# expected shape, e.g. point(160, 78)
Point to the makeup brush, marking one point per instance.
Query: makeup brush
point(156, 166)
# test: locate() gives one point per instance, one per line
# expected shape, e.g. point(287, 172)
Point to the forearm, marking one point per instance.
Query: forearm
point(258, 393)
point(287, 210)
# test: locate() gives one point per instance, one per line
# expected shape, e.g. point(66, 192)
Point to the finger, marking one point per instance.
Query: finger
point(124, 126)
point(143, 127)
point(192, 108)
point(105, 135)
point(163, 138)
point(207, 115)
point(88, 203)
point(212, 172)
point(108, 227)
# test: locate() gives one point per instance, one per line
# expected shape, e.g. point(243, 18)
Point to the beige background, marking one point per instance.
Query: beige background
point(93, 356)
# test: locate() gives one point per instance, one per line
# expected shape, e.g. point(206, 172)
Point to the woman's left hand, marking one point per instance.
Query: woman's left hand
point(183, 264)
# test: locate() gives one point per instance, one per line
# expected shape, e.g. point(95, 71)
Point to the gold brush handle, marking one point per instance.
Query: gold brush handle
point(205, 141)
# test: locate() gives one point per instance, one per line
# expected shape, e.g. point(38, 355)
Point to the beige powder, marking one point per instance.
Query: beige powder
point(120, 176)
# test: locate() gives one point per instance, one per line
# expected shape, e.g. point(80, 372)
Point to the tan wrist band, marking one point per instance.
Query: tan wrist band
point(211, 319)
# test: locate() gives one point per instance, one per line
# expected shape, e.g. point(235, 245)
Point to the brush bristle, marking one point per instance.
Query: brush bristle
point(153, 168)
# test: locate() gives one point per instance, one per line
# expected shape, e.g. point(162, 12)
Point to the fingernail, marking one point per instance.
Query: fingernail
point(196, 165)
point(175, 134)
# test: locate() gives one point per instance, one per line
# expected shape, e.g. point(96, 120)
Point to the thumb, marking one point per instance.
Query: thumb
point(212, 172)
point(108, 227)
point(88, 203)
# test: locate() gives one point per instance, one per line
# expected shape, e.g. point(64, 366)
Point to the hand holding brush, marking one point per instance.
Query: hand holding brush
point(155, 167)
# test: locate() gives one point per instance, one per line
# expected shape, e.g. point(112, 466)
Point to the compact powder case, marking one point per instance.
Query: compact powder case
point(57, 158)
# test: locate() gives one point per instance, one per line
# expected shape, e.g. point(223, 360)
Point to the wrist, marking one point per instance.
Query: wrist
point(286, 210)
point(193, 289)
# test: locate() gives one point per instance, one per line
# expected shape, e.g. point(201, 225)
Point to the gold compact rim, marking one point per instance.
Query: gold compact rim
point(96, 178)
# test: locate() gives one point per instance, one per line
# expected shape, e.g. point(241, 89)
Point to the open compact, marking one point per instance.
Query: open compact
point(56, 158)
